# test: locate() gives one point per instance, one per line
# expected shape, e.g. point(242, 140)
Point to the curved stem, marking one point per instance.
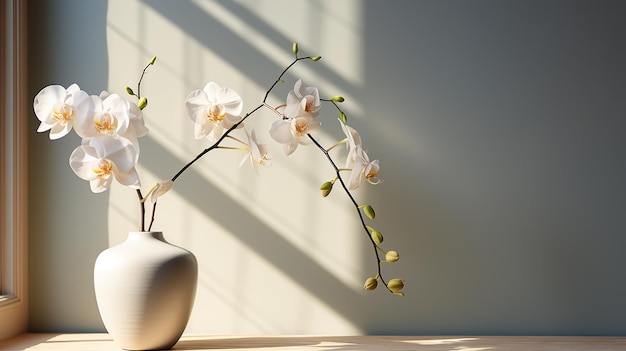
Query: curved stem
point(143, 73)
point(356, 205)
point(280, 77)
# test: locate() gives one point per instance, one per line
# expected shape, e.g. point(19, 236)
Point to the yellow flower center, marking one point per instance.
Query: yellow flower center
point(104, 169)
point(301, 126)
point(215, 113)
point(105, 123)
point(63, 114)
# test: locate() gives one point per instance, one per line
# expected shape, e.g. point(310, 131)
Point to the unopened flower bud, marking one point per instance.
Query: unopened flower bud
point(370, 284)
point(337, 98)
point(130, 91)
point(376, 236)
point(326, 188)
point(316, 58)
point(153, 60)
point(392, 256)
point(326, 192)
point(395, 285)
point(326, 185)
point(294, 48)
point(142, 103)
point(369, 211)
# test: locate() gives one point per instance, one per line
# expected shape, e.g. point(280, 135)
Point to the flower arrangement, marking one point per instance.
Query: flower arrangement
point(110, 127)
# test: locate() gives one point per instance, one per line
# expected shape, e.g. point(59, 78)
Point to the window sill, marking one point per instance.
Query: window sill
point(102, 342)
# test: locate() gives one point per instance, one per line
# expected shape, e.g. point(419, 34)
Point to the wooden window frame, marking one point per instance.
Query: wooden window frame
point(13, 170)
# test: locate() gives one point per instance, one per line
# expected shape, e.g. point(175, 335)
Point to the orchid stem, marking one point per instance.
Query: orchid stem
point(142, 209)
point(356, 205)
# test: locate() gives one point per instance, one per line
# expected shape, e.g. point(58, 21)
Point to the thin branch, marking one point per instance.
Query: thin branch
point(142, 209)
point(356, 205)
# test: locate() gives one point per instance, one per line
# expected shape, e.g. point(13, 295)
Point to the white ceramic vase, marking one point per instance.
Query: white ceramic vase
point(145, 289)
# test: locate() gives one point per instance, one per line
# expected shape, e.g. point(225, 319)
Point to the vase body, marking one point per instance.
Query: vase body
point(145, 288)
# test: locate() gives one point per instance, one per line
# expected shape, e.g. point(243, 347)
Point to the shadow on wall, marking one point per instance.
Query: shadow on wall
point(501, 146)
point(67, 229)
point(252, 232)
point(478, 124)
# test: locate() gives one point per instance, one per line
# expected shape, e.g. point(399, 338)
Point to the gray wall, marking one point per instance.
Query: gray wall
point(499, 126)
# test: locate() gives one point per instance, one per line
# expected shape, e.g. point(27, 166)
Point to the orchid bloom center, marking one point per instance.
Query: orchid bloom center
point(371, 176)
point(104, 169)
point(310, 104)
point(215, 113)
point(63, 114)
point(371, 173)
point(105, 123)
point(301, 126)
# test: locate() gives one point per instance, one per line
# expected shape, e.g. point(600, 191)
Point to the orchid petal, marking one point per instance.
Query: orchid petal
point(82, 160)
point(160, 189)
point(46, 99)
point(129, 178)
point(100, 185)
point(280, 131)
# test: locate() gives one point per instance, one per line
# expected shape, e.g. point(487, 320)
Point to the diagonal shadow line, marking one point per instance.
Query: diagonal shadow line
point(257, 235)
point(191, 19)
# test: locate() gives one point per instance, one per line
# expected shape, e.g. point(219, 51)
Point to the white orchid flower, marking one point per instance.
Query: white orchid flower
point(110, 115)
point(56, 106)
point(214, 110)
point(105, 158)
point(257, 153)
point(363, 168)
point(302, 100)
point(137, 126)
point(291, 132)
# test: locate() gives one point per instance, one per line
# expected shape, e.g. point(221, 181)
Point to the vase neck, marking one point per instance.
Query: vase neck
point(144, 235)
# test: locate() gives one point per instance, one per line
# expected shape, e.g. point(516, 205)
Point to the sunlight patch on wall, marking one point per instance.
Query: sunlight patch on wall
point(266, 28)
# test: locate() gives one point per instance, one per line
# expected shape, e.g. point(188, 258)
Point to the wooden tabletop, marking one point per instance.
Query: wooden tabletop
point(102, 342)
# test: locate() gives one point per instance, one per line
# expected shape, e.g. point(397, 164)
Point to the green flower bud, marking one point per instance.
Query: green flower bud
point(326, 185)
point(392, 256)
point(316, 58)
point(370, 284)
point(294, 48)
point(395, 285)
point(326, 192)
point(337, 98)
point(142, 103)
point(326, 188)
point(130, 91)
point(369, 211)
point(153, 60)
point(376, 235)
